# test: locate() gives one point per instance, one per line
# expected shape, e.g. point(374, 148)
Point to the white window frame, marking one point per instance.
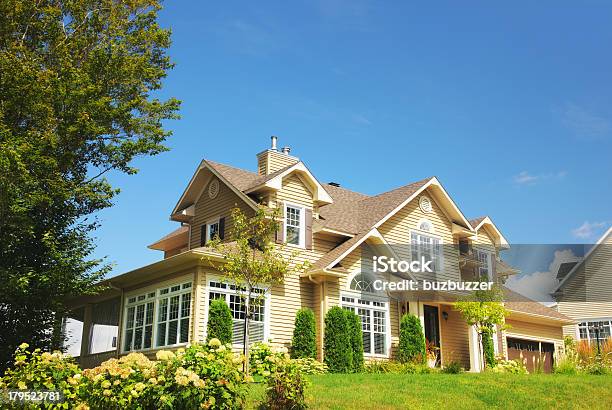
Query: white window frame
point(209, 224)
point(588, 323)
point(302, 236)
point(368, 300)
point(439, 266)
point(489, 267)
point(153, 295)
point(227, 292)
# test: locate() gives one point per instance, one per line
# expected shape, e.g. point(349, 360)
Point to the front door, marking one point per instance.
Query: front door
point(432, 329)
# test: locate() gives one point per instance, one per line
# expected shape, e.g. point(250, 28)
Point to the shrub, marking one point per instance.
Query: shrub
point(263, 358)
point(412, 340)
point(34, 370)
point(488, 349)
point(304, 343)
point(356, 338)
point(509, 366)
point(219, 321)
point(387, 366)
point(337, 346)
point(310, 366)
point(566, 365)
point(286, 387)
point(453, 367)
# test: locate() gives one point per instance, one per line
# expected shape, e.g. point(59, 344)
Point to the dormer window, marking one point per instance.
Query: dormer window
point(294, 225)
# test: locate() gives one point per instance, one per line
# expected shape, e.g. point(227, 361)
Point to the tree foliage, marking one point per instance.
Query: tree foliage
point(488, 348)
point(356, 337)
point(484, 310)
point(77, 101)
point(412, 340)
point(219, 321)
point(338, 353)
point(304, 343)
point(251, 260)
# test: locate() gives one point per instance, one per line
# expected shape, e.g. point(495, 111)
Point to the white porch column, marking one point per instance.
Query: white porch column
point(475, 356)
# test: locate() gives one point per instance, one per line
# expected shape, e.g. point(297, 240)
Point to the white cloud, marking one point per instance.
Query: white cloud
point(583, 123)
point(525, 178)
point(539, 285)
point(588, 230)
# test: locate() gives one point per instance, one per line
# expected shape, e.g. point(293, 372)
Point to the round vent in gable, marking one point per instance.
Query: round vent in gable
point(213, 188)
point(425, 204)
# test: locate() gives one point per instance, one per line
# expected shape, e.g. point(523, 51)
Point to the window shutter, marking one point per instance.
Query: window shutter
point(308, 230)
point(280, 229)
point(203, 235)
point(222, 228)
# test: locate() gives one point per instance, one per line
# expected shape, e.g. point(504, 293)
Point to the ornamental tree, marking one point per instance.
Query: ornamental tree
point(78, 99)
point(412, 340)
point(484, 310)
point(252, 261)
point(219, 321)
point(337, 342)
point(356, 336)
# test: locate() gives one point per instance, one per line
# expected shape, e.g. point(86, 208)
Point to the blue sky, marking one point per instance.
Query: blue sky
point(510, 107)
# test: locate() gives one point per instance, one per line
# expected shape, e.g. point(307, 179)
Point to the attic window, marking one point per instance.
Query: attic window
point(213, 189)
point(425, 204)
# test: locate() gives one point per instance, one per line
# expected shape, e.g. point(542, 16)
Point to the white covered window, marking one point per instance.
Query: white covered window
point(373, 315)
point(234, 298)
point(588, 330)
point(427, 247)
point(162, 315)
point(484, 270)
point(294, 225)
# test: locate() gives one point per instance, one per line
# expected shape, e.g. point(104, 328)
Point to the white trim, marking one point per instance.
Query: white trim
point(503, 242)
point(212, 221)
point(575, 268)
point(587, 321)
point(426, 220)
point(302, 239)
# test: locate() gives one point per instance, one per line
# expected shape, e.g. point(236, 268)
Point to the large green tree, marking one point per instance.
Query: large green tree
point(78, 84)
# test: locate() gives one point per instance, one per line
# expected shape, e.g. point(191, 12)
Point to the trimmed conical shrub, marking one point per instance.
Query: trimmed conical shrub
point(219, 321)
point(304, 343)
point(412, 340)
point(356, 336)
point(337, 343)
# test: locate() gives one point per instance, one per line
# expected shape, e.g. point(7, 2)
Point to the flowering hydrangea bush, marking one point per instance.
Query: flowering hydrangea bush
point(200, 376)
point(263, 358)
point(34, 370)
point(509, 366)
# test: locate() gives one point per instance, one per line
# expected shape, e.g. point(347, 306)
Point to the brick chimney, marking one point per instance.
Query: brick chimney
point(271, 160)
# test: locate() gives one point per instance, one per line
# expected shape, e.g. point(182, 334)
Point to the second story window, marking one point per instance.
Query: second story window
point(427, 247)
point(484, 270)
point(294, 225)
point(212, 230)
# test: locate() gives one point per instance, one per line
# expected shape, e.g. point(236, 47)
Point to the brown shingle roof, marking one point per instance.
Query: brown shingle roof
point(519, 303)
point(476, 221)
point(182, 230)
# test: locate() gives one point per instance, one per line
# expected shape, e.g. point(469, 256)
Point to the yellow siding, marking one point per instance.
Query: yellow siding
point(271, 161)
point(396, 232)
point(295, 191)
point(206, 209)
point(455, 338)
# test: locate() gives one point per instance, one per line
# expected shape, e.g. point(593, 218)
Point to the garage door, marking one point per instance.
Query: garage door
point(532, 353)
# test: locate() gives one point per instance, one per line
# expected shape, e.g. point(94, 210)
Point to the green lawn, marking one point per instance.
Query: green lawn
point(464, 391)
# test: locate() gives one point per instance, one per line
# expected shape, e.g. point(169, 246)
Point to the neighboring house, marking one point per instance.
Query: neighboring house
point(585, 291)
point(165, 304)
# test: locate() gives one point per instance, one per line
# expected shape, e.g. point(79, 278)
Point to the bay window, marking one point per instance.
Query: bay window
point(162, 315)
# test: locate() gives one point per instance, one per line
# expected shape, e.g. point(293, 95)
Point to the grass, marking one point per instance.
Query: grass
point(464, 391)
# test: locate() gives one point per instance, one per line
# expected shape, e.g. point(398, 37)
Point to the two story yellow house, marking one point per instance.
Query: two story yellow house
point(165, 304)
